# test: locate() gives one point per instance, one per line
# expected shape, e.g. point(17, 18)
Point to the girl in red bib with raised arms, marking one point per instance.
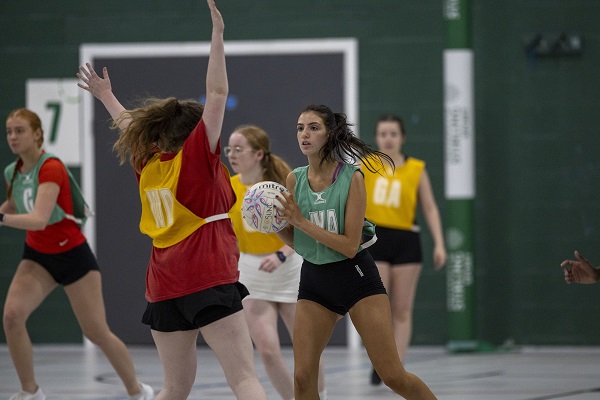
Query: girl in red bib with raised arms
point(41, 200)
point(192, 277)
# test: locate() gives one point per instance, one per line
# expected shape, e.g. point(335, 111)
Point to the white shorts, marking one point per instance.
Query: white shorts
point(279, 286)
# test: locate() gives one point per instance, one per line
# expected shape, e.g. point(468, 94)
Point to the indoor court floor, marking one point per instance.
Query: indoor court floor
point(76, 372)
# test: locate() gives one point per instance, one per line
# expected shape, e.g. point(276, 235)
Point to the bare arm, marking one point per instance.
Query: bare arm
point(271, 262)
point(8, 207)
point(217, 86)
point(101, 88)
point(434, 222)
point(346, 243)
point(580, 271)
point(36, 220)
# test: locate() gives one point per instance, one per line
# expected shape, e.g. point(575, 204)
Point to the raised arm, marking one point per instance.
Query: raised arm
point(101, 88)
point(217, 86)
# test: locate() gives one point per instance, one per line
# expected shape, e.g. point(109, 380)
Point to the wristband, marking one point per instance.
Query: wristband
point(281, 256)
point(1, 218)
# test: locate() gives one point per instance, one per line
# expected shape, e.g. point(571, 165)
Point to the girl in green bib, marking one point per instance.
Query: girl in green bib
point(326, 214)
point(42, 200)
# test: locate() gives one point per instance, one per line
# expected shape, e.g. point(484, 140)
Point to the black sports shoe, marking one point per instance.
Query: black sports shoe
point(375, 379)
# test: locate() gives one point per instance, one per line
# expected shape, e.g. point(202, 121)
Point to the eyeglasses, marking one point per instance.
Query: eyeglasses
point(233, 149)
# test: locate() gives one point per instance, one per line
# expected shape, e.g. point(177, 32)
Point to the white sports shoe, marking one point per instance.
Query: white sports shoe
point(147, 393)
point(38, 395)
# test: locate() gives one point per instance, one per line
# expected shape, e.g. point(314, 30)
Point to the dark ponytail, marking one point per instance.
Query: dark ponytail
point(343, 145)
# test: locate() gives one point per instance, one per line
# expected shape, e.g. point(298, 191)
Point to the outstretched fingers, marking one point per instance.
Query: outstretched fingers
point(91, 81)
point(85, 75)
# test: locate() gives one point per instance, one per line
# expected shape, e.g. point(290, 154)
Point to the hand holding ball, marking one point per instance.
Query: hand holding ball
point(258, 207)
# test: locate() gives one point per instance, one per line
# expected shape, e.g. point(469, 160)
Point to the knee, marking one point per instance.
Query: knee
point(402, 314)
point(13, 317)
point(302, 380)
point(399, 382)
point(97, 335)
point(269, 353)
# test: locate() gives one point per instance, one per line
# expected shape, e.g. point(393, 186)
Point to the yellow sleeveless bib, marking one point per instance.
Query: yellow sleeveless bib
point(163, 218)
point(392, 199)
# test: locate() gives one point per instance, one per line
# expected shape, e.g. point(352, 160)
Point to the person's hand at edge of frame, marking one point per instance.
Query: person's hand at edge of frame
point(580, 271)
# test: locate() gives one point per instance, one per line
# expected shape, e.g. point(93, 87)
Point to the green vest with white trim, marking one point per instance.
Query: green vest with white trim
point(326, 209)
point(24, 192)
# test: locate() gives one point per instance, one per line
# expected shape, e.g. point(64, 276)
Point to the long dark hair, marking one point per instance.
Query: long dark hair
point(343, 145)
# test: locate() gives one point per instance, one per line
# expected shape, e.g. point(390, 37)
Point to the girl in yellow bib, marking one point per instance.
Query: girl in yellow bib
point(268, 268)
point(392, 199)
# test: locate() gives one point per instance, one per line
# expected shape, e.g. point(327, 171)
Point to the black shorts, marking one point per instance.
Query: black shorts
point(67, 267)
point(195, 310)
point(338, 286)
point(396, 246)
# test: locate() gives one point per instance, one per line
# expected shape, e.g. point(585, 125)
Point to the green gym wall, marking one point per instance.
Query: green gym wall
point(537, 129)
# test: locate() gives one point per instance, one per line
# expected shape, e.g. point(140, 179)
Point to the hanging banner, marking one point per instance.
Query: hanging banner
point(459, 172)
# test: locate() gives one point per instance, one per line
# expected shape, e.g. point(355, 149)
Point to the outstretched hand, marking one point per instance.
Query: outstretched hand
point(217, 19)
point(580, 271)
point(92, 82)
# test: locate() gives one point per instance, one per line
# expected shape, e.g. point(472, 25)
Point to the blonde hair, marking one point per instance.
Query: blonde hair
point(274, 167)
point(158, 125)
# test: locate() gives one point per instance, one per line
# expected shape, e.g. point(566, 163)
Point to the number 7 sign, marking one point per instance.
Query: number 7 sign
point(56, 101)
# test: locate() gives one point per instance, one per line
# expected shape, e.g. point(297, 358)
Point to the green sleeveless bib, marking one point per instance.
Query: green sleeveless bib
point(326, 209)
point(24, 192)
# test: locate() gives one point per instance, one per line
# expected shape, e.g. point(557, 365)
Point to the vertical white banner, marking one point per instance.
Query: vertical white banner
point(56, 101)
point(460, 124)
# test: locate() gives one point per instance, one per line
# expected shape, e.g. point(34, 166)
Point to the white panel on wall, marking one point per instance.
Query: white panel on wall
point(56, 102)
